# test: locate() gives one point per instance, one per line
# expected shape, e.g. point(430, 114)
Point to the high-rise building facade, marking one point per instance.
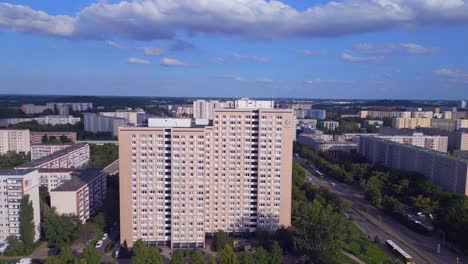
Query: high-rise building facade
point(16, 140)
point(179, 182)
point(97, 123)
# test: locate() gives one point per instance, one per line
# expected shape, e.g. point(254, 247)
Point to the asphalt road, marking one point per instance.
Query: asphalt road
point(423, 248)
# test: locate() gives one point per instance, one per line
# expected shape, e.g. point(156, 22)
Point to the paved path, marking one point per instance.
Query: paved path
point(351, 256)
point(421, 247)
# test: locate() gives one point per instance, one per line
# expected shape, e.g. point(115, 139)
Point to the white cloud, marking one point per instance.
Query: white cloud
point(242, 79)
point(249, 19)
point(263, 80)
point(319, 81)
point(153, 51)
point(172, 62)
point(351, 58)
point(451, 73)
point(257, 59)
point(138, 61)
point(114, 44)
point(307, 52)
point(389, 48)
point(218, 60)
point(234, 78)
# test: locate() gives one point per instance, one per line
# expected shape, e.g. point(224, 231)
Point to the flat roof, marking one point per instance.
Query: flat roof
point(50, 157)
point(56, 170)
point(9, 172)
point(79, 179)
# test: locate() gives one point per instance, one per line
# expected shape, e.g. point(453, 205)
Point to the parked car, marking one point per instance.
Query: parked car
point(99, 244)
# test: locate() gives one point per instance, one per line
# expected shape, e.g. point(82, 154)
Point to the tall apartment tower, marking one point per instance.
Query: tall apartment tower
point(179, 182)
point(14, 140)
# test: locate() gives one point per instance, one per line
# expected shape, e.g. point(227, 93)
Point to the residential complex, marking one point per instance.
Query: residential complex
point(36, 137)
point(75, 156)
point(52, 178)
point(132, 116)
point(179, 182)
point(376, 123)
point(31, 109)
point(43, 120)
point(436, 143)
point(61, 108)
point(384, 114)
point(203, 109)
point(246, 103)
point(97, 123)
point(447, 124)
point(16, 140)
point(15, 184)
point(82, 195)
point(40, 151)
point(330, 125)
point(329, 144)
point(447, 171)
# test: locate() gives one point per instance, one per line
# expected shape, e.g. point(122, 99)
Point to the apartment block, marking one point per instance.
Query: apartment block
point(40, 151)
point(376, 123)
point(43, 120)
point(317, 114)
point(319, 143)
point(384, 114)
point(132, 116)
point(435, 143)
point(203, 109)
point(82, 195)
point(412, 123)
point(77, 107)
point(246, 103)
point(52, 178)
point(75, 156)
point(15, 184)
point(36, 137)
point(14, 140)
point(97, 123)
point(31, 109)
point(330, 125)
point(446, 171)
point(179, 182)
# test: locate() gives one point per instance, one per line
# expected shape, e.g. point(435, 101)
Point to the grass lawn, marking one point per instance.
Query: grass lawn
point(343, 259)
point(364, 249)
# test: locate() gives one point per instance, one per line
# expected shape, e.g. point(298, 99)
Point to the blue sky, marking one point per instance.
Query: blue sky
point(415, 49)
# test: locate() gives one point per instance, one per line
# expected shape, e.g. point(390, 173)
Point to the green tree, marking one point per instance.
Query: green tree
point(12, 159)
point(318, 231)
point(220, 240)
point(373, 191)
point(246, 258)
point(91, 255)
point(145, 255)
point(212, 260)
point(66, 256)
point(44, 139)
point(54, 140)
point(103, 155)
point(53, 260)
point(261, 256)
point(124, 252)
point(65, 139)
point(424, 204)
point(27, 223)
point(60, 230)
point(228, 256)
point(276, 254)
point(177, 257)
point(196, 257)
point(100, 221)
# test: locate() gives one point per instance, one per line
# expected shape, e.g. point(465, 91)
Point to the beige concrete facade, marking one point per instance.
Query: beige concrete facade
point(14, 140)
point(36, 137)
point(178, 184)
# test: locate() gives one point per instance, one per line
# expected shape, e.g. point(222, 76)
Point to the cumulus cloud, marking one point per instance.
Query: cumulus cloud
point(218, 60)
point(138, 61)
point(307, 52)
point(172, 62)
point(319, 81)
point(351, 58)
point(249, 19)
point(452, 75)
point(153, 51)
point(114, 44)
point(389, 48)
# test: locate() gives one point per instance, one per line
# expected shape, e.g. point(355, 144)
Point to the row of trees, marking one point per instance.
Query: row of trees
point(103, 155)
point(12, 159)
point(390, 190)
point(90, 256)
point(54, 140)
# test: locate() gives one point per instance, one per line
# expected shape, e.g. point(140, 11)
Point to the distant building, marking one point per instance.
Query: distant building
point(412, 123)
point(31, 109)
point(76, 107)
point(52, 178)
point(384, 114)
point(246, 103)
point(330, 125)
point(42, 150)
point(446, 171)
point(326, 143)
point(203, 109)
point(43, 120)
point(15, 184)
point(75, 156)
point(462, 105)
point(306, 124)
point(317, 114)
point(97, 123)
point(133, 117)
point(376, 123)
point(183, 111)
point(435, 143)
point(36, 137)
point(16, 140)
point(82, 195)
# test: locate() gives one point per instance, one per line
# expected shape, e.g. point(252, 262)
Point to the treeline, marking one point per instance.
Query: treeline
point(35, 126)
point(11, 159)
point(103, 155)
point(390, 190)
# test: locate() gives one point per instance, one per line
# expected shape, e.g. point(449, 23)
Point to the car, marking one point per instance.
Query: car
point(104, 236)
point(99, 244)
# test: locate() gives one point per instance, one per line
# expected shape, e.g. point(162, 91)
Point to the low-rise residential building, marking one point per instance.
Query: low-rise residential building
point(376, 123)
point(411, 122)
point(436, 143)
point(132, 116)
point(15, 184)
point(16, 140)
point(82, 195)
point(75, 156)
point(446, 171)
point(42, 120)
point(384, 114)
point(319, 143)
point(97, 123)
point(36, 137)
point(42, 150)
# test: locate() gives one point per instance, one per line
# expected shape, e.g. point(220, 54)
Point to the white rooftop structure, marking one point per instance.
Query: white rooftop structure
point(169, 122)
point(249, 103)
